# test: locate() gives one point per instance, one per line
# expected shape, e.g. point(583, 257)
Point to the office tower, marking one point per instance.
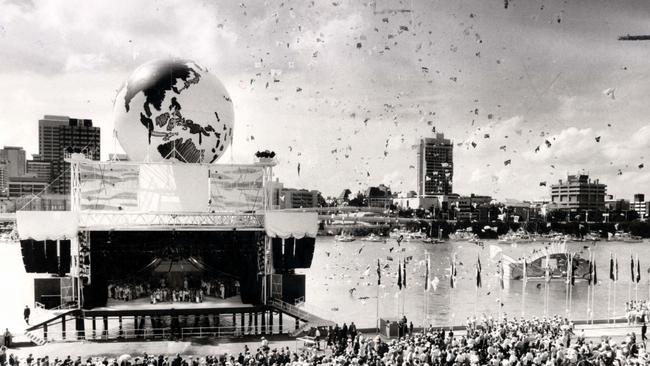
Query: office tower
point(14, 158)
point(578, 192)
point(435, 166)
point(61, 135)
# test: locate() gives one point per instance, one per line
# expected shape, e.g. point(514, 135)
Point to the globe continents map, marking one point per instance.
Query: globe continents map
point(173, 110)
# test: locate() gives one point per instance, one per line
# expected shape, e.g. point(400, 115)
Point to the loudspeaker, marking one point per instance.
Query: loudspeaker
point(38, 255)
point(304, 252)
point(27, 250)
point(64, 257)
point(52, 259)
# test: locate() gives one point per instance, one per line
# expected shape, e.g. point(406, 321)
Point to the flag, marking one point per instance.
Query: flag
point(547, 269)
point(595, 274)
point(616, 270)
point(638, 269)
point(568, 269)
point(591, 271)
point(478, 273)
point(574, 266)
point(404, 275)
point(632, 276)
point(501, 274)
point(452, 273)
point(426, 277)
point(399, 275)
point(378, 273)
point(611, 267)
point(525, 272)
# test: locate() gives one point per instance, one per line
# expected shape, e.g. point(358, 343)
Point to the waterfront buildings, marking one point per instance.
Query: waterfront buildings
point(14, 158)
point(379, 196)
point(39, 168)
point(58, 135)
point(435, 166)
point(283, 198)
point(639, 205)
point(578, 193)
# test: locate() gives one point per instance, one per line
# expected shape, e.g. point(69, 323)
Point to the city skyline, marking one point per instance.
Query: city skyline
point(357, 87)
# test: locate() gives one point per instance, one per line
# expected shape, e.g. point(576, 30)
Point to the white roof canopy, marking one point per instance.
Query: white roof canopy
point(47, 225)
point(284, 224)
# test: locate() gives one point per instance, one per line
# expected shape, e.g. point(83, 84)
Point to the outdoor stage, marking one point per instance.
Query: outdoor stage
point(168, 225)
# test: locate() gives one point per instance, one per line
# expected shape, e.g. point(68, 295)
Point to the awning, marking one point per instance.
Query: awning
point(285, 224)
point(47, 225)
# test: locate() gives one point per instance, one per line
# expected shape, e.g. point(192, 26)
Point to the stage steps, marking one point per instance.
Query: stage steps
point(35, 338)
point(309, 320)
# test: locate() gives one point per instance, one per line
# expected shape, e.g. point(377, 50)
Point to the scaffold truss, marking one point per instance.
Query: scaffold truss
point(100, 221)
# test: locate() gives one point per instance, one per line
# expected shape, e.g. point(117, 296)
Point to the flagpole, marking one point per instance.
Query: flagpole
point(566, 292)
point(589, 285)
point(636, 283)
point(378, 283)
point(424, 293)
point(523, 288)
point(451, 291)
point(593, 292)
point(501, 284)
point(629, 285)
point(609, 286)
point(571, 284)
point(615, 279)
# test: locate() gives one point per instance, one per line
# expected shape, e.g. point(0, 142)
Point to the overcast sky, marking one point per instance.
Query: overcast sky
point(359, 84)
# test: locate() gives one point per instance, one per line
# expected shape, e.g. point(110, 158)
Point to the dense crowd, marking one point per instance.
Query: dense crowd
point(637, 312)
point(190, 291)
point(487, 341)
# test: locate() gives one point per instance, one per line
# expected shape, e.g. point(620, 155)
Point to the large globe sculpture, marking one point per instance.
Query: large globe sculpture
point(173, 110)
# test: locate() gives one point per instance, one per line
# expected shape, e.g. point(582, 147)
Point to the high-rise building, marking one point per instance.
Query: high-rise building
point(435, 166)
point(14, 157)
point(578, 192)
point(4, 180)
point(283, 198)
point(638, 205)
point(39, 168)
point(61, 135)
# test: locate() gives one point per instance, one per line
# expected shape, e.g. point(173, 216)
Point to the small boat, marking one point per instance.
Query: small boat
point(520, 236)
point(432, 241)
point(373, 238)
point(462, 235)
point(344, 237)
point(624, 237)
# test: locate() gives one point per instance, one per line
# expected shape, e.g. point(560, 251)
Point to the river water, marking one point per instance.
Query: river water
point(339, 267)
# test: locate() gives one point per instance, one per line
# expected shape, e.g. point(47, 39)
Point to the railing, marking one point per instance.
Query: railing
point(291, 309)
point(156, 333)
point(66, 306)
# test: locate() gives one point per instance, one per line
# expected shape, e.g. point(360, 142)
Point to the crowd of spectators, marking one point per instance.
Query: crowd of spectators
point(637, 312)
point(486, 341)
point(159, 291)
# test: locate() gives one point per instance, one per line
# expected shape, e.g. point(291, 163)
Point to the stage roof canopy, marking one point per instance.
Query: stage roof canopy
point(47, 225)
point(287, 224)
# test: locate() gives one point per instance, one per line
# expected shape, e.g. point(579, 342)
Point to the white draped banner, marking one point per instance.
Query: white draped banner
point(286, 224)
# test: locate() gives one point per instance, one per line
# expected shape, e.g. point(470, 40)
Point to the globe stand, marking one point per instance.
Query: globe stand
point(174, 153)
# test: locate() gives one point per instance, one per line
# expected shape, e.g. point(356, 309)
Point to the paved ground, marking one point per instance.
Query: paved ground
point(215, 346)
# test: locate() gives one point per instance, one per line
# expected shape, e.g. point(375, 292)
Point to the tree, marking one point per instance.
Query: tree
point(359, 201)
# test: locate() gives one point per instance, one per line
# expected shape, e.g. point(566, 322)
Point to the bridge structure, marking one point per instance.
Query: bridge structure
point(513, 268)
